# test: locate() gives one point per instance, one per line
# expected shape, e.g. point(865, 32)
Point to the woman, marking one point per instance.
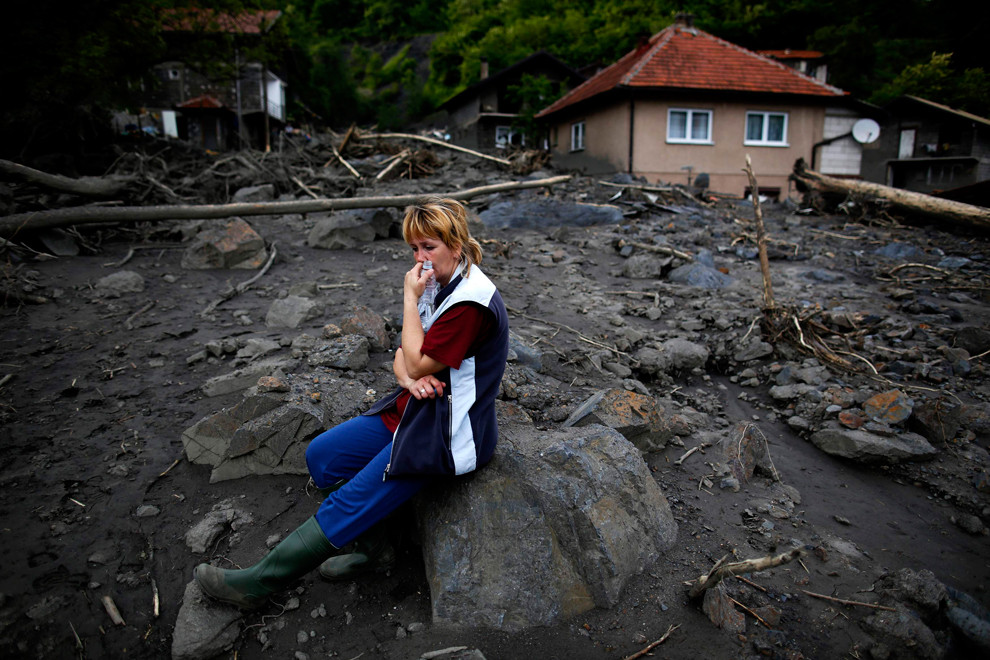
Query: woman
point(439, 421)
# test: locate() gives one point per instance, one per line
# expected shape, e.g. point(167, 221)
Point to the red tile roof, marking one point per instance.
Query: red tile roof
point(681, 57)
point(789, 54)
point(203, 101)
point(209, 20)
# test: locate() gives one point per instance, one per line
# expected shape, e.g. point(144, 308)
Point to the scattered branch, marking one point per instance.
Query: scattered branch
point(849, 602)
point(723, 570)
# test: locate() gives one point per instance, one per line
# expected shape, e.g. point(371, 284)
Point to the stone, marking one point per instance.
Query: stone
point(233, 245)
point(147, 511)
point(973, 339)
point(899, 251)
point(891, 407)
point(699, 275)
point(722, 612)
point(683, 355)
point(899, 634)
point(346, 352)
point(869, 447)
point(256, 347)
point(221, 519)
point(523, 353)
point(252, 194)
point(362, 321)
point(548, 212)
point(646, 266)
point(636, 416)
point(755, 350)
point(117, 284)
point(245, 377)
point(939, 419)
point(554, 526)
point(919, 590)
point(350, 229)
point(267, 433)
point(743, 450)
point(851, 419)
point(292, 311)
point(789, 392)
point(203, 628)
point(970, 524)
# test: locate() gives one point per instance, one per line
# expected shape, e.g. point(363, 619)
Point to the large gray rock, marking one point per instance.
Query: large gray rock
point(245, 377)
point(117, 284)
point(204, 628)
point(636, 416)
point(232, 245)
point(645, 266)
point(548, 212)
point(872, 448)
point(699, 275)
point(350, 229)
point(554, 526)
point(362, 321)
point(292, 311)
point(346, 352)
point(683, 355)
point(267, 432)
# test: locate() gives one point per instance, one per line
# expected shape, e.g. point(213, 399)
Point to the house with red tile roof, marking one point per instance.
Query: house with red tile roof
point(686, 102)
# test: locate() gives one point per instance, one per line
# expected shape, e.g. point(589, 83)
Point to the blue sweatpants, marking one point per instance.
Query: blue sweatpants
point(357, 450)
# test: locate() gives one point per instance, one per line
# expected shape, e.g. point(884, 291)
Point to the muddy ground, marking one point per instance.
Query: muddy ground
point(90, 425)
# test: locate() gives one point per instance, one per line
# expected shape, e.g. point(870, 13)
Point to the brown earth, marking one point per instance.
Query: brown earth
point(101, 391)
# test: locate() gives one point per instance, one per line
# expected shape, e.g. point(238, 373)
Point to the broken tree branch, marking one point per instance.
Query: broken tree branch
point(647, 649)
point(849, 602)
point(966, 214)
point(723, 570)
point(439, 143)
point(243, 286)
point(661, 249)
point(761, 237)
point(82, 215)
point(89, 186)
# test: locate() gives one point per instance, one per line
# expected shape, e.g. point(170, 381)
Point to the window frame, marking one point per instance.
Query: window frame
point(578, 133)
point(689, 120)
point(763, 141)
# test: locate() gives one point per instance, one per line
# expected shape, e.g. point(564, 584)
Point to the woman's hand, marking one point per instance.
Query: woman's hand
point(427, 387)
point(415, 281)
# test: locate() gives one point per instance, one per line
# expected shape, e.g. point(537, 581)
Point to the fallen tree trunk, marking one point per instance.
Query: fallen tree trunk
point(89, 186)
point(81, 215)
point(945, 209)
point(439, 143)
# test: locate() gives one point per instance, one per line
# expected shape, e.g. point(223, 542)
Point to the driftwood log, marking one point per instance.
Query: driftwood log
point(434, 141)
point(89, 186)
point(969, 215)
point(81, 215)
point(723, 569)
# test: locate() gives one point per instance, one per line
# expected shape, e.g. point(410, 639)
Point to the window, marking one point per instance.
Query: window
point(766, 128)
point(689, 126)
point(173, 74)
point(506, 136)
point(577, 136)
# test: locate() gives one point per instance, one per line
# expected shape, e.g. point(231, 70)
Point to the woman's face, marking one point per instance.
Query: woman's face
point(444, 259)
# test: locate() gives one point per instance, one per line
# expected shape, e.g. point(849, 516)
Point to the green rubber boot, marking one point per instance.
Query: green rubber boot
point(373, 553)
point(249, 588)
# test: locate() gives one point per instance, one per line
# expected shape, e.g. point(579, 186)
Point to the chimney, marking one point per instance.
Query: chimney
point(684, 20)
point(484, 69)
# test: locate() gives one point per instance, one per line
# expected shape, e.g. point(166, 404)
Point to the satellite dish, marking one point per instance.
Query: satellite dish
point(865, 131)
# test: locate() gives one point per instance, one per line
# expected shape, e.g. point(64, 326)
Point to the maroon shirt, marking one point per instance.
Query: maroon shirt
point(452, 337)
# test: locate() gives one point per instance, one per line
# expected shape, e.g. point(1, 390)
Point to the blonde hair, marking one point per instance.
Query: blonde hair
point(444, 219)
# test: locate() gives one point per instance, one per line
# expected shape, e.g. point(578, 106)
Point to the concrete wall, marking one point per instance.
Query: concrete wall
point(607, 144)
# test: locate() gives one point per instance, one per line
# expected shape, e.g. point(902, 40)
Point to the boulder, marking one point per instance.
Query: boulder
point(646, 266)
point(859, 444)
point(549, 212)
point(700, 275)
point(245, 377)
point(350, 229)
point(636, 416)
point(117, 284)
point(362, 321)
point(345, 352)
point(292, 311)
point(233, 245)
point(268, 431)
point(683, 355)
point(555, 525)
point(253, 194)
point(891, 407)
point(204, 628)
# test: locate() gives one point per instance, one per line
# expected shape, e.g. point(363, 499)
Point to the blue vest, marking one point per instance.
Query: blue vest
point(454, 433)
